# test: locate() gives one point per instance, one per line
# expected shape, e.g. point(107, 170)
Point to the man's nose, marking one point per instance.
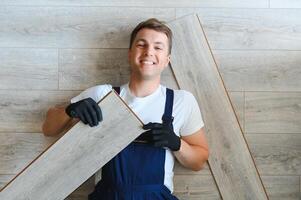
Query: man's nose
point(149, 51)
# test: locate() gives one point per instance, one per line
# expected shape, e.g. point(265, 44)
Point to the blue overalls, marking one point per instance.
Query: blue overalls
point(137, 172)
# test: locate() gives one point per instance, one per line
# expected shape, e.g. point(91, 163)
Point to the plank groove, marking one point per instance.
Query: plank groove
point(72, 27)
point(276, 154)
point(245, 70)
point(273, 112)
point(24, 110)
point(195, 70)
point(18, 149)
point(28, 69)
point(249, 29)
point(77, 155)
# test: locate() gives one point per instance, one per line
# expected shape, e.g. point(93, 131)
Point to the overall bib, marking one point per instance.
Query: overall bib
point(137, 172)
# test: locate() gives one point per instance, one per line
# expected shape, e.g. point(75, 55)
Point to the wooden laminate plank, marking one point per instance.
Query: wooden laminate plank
point(77, 155)
point(282, 187)
point(18, 149)
point(191, 187)
point(276, 154)
point(4, 179)
point(238, 101)
point(195, 70)
point(249, 29)
point(28, 69)
point(245, 70)
point(83, 68)
point(273, 112)
point(285, 4)
point(73, 27)
point(24, 110)
point(143, 3)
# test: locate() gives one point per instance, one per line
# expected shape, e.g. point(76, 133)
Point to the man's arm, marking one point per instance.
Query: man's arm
point(194, 151)
point(57, 121)
point(61, 118)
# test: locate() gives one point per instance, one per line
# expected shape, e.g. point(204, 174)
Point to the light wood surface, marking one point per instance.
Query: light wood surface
point(276, 154)
point(273, 112)
point(249, 29)
point(195, 70)
point(25, 110)
point(265, 71)
point(143, 3)
point(256, 45)
point(72, 27)
point(77, 155)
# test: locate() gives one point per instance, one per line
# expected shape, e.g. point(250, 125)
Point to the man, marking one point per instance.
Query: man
point(172, 122)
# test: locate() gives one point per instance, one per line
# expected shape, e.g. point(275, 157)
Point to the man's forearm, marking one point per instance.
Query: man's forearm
point(191, 156)
point(56, 121)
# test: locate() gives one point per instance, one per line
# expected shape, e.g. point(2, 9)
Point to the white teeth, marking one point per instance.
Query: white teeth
point(147, 62)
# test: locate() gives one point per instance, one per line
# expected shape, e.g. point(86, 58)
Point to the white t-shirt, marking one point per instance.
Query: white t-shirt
point(186, 113)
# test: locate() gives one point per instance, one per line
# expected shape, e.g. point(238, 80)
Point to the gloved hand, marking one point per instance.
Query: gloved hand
point(161, 135)
point(86, 110)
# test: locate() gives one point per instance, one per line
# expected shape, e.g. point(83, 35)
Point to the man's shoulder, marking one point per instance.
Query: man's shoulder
point(99, 88)
point(183, 94)
point(96, 92)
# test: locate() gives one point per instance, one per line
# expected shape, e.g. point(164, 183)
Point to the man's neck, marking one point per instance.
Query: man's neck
point(142, 88)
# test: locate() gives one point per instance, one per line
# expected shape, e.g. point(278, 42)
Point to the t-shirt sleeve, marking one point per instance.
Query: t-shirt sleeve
point(96, 93)
point(193, 120)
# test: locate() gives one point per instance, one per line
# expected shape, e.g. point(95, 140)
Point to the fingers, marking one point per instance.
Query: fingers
point(145, 136)
point(98, 112)
point(151, 125)
point(82, 118)
point(90, 113)
point(88, 118)
point(160, 143)
point(93, 115)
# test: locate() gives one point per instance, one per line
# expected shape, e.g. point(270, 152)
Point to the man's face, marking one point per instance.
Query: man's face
point(149, 54)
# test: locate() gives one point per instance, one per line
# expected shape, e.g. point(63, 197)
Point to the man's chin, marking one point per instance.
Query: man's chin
point(148, 77)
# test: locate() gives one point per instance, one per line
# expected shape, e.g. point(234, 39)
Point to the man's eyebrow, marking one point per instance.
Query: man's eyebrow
point(143, 40)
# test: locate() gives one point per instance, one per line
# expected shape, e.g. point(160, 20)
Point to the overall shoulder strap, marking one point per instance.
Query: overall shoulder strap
point(167, 116)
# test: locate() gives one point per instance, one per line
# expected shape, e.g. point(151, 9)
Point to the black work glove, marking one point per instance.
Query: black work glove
point(86, 110)
point(161, 135)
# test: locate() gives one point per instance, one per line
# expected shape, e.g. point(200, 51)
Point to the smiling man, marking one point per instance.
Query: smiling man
point(172, 122)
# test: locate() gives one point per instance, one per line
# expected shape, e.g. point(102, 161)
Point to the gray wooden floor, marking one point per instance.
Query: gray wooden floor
point(52, 50)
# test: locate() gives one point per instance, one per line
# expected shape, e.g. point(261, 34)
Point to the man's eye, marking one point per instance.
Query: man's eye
point(140, 45)
point(159, 48)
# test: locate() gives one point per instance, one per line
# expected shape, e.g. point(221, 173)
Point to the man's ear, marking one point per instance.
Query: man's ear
point(168, 60)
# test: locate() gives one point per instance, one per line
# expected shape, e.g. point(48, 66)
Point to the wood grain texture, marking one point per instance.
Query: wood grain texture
point(4, 179)
point(28, 69)
point(238, 101)
point(142, 3)
point(260, 70)
point(196, 71)
point(273, 112)
point(195, 187)
point(77, 155)
point(73, 27)
point(282, 187)
point(17, 150)
point(276, 154)
point(249, 29)
point(181, 170)
point(83, 68)
point(285, 4)
point(25, 110)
